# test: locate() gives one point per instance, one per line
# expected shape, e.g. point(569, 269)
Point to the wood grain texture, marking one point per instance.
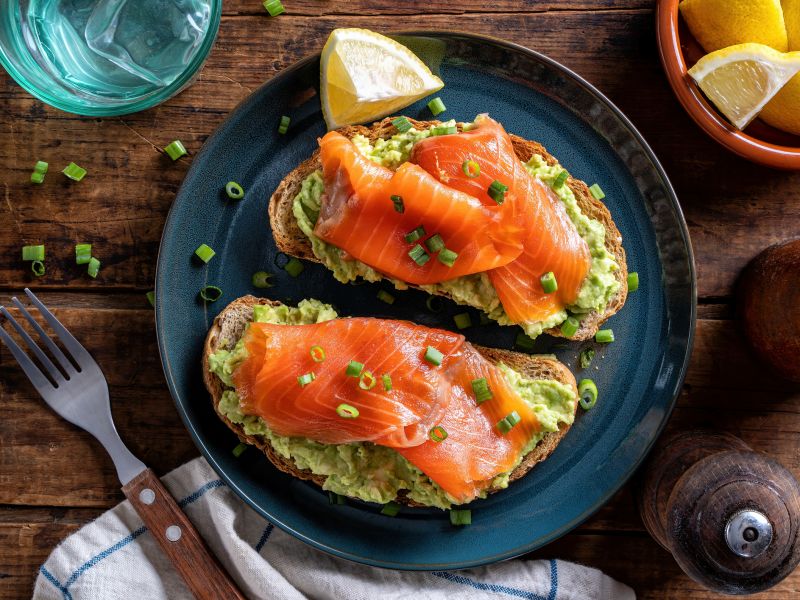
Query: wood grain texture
point(734, 210)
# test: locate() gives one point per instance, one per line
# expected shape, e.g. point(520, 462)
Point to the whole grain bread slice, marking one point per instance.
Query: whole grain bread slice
point(292, 241)
point(230, 324)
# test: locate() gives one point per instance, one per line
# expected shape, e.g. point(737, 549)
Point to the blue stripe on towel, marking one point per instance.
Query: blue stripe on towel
point(503, 589)
point(264, 536)
point(64, 589)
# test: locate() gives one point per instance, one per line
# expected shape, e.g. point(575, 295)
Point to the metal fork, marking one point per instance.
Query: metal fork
point(78, 392)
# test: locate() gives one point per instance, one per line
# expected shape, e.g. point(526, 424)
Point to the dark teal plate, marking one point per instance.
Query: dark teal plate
point(638, 376)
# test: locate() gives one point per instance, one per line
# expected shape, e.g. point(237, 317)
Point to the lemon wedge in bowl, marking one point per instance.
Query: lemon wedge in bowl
point(365, 75)
point(741, 79)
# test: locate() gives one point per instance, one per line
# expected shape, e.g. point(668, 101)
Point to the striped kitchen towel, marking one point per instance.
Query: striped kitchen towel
point(115, 558)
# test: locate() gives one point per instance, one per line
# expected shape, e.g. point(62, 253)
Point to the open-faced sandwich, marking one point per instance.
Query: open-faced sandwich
point(465, 211)
point(383, 410)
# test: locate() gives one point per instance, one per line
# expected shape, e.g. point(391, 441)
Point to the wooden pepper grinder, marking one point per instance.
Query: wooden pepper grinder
point(728, 515)
point(769, 307)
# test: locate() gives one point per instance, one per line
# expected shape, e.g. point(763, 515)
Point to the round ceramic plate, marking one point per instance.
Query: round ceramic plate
point(638, 376)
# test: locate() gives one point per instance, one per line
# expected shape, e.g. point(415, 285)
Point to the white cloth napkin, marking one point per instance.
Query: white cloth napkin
point(115, 558)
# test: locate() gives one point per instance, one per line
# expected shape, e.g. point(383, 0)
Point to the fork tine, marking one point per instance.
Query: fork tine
point(55, 350)
point(78, 352)
point(43, 359)
point(38, 379)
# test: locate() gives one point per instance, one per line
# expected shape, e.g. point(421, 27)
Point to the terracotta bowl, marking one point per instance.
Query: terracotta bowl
point(679, 50)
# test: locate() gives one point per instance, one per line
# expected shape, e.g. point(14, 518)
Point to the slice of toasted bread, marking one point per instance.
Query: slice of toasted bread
point(230, 324)
point(292, 241)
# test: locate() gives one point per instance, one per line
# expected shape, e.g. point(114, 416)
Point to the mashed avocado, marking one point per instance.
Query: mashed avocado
point(361, 469)
point(472, 290)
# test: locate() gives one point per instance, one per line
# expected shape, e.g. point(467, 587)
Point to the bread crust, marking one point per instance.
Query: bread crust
point(292, 241)
point(229, 326)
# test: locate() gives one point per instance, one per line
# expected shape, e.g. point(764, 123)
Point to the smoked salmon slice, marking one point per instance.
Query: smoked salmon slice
point(359, 216)
point(551, 243)
point(423, 396)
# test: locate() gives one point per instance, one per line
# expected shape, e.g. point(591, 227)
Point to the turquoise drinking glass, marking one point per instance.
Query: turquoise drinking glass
point(106, 57)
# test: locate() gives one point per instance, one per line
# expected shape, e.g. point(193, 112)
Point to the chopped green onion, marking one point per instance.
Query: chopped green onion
point(413, 236)
point(497, 191)
point(398, 203)
point(434, 304)
point(284, 124)
point(447, 257)
point(480, 387)
point(390, 509)
point(433, 356)
point(33, 252)
point(385, 296)
point(587, 390)
point(260, 279)
point(317, 353)
point(212, 293)
point(444, 130)
point(175, 150)
point(354, 368)
point(346, 411)
point(418, 255)
point(438, 434)
point(570, 327)
point(234, 190)
point(471, 168)
point(204, 252)
point(524, 341)
point(83, 253)
point(507, 424)
point(597, 192)
point(402, 124)
point(462, 320)
point(37, 267)
point(387, 382)
point(151, 298)
point(604, 336)
point(39, 170)
point(274, 7)
point(434, 243)
point(461, 517)
point(633, 281)
point(93, 267)
point(549, 283)
point(334, 498)
point(560, 180)
point(74, 172)
point(294, 267)
point(305, 379)
point(367, 381)
point(586, 357)
point(239, 450)
point(436, 106)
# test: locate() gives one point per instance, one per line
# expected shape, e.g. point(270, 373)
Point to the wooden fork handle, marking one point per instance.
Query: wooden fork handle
point(179, 539)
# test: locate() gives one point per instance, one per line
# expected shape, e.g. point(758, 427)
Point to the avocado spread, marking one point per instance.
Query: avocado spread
point(472, 290)
point(361, 469)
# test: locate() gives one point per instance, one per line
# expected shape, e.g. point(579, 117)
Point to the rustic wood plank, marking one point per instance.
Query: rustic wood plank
point(748, 209)
point(388, 7)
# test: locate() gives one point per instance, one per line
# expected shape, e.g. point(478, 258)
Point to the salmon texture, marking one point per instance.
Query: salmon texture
point(551, 242)
point(359, 216)
point(423, 396)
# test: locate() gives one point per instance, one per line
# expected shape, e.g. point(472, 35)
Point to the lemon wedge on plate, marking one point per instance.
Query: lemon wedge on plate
point(365, 75)
point(741, 79)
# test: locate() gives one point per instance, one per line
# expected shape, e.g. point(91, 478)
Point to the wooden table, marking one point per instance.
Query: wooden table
point(55, 478)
